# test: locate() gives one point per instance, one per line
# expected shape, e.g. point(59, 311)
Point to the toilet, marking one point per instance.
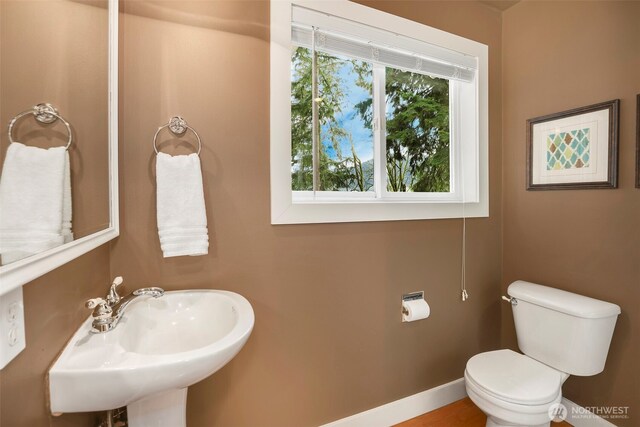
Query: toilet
point(560, 334)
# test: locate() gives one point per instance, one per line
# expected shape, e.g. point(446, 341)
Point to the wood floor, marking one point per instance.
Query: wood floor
point(462, 413)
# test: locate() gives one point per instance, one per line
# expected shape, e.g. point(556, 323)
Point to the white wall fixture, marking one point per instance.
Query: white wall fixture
point(525, 389)
point(23, 271)
point(414, 307)
point(404, 409)
point(166, 344)
point(429, 400)
point(12, 339)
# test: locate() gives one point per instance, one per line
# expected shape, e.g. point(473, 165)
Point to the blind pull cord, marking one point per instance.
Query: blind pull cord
point(463, 284)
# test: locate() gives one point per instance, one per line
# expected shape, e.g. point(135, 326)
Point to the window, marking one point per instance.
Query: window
point(382, 118)
point(343, 122)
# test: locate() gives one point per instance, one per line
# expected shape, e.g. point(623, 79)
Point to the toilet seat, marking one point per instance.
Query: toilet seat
point(515, 378)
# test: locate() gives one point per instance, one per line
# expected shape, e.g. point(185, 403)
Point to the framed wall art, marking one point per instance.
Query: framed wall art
point(575, 149)
point(638, 141)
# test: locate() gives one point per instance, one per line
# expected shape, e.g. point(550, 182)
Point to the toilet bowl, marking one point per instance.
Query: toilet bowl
point(560, 334)
point(513, 389)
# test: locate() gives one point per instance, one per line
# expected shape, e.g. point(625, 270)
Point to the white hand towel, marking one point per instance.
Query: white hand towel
point(67, 211)
point(35, 200)
point(182, 218)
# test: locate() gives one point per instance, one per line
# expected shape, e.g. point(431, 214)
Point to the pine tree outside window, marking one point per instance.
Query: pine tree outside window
point(416, 119)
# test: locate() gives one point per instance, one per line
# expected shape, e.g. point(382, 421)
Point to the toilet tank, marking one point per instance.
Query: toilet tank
point(566, 331)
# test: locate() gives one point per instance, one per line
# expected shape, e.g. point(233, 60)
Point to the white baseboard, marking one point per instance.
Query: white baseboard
point(437, 397)
point(406, 408)
point(578, 416)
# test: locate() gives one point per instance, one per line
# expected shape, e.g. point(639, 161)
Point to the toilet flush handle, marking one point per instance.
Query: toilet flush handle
point(512, 300)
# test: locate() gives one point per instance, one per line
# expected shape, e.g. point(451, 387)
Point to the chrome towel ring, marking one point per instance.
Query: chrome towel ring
point(178, 126)
point(44, 113)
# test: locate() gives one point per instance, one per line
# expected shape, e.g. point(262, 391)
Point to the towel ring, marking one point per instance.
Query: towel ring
point(44, 113)
point(178, 126)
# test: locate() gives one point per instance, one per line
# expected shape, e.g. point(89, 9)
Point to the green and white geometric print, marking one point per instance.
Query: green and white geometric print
point(568, 150)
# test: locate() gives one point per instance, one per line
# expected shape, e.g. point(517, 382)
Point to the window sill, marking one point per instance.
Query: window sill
point(370, 197)
point(366, 210)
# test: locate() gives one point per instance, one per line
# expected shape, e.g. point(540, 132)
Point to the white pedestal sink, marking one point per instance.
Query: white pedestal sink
point(160, 347)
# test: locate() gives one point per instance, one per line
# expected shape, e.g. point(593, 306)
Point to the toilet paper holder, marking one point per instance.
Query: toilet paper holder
point(411, 297)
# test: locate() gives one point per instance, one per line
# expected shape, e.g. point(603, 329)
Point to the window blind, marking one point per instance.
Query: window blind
point(337, 36)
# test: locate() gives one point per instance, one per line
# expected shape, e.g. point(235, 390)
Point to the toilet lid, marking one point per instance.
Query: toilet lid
point(515, 378)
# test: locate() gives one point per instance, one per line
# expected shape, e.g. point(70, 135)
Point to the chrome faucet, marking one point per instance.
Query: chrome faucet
point(107, 312)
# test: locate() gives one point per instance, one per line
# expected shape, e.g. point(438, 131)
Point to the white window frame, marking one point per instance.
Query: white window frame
point(469, 156)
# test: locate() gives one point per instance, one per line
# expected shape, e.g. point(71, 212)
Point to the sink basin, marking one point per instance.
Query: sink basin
point(160, 345)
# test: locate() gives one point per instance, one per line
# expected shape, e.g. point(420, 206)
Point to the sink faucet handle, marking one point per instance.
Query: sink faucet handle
point(101, 308)
point(113, 297)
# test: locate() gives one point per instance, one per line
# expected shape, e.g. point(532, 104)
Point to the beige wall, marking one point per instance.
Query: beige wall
point(328, 341)
point(42, 59)
point(54, 308)
point(311, 358)
point(557, 56)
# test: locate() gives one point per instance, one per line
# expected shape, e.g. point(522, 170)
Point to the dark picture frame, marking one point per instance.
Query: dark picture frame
point(638, 141)
point(568, 150)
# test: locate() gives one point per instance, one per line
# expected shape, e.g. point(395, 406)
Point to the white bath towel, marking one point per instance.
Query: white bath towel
point(182, 218)
point(35, 201)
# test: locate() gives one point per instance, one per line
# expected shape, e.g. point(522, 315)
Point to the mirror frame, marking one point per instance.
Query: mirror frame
point(25, 270)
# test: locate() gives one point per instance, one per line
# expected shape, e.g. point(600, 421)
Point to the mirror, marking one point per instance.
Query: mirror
point(58, 100)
